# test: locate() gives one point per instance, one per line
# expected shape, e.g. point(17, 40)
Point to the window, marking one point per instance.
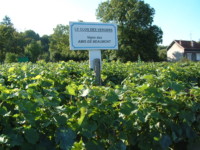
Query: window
point(189, 56)
point(198, 56)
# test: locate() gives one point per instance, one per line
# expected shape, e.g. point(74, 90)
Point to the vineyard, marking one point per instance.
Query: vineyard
point(140, 106)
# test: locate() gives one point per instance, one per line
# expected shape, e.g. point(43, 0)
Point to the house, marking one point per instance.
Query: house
point(180, 48)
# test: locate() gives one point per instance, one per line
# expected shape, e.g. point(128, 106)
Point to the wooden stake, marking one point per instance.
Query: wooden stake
point(97, 70)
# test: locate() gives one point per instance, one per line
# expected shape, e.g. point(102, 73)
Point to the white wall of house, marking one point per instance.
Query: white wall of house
point(175, 53)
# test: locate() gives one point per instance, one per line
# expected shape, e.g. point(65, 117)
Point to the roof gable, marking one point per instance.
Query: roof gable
point(187, 45)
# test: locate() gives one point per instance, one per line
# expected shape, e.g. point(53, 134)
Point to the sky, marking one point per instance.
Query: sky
point(178, 19)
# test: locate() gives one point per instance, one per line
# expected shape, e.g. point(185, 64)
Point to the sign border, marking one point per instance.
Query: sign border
point(73, 47)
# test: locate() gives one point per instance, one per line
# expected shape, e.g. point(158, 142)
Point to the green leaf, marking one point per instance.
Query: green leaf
point(127, 108)
point(190, 133)
point(61, 120)
point(78, 145)
point(3, 110)
point(148, 77)
point(11, 69)
point(156, 138)
point(187, 116)
point(71, 90)
point(165, 142)
point(94, 145)
point(46, 83)
point(118, 146)
point(31, 136)
point(88, 128)
point(39, 100)
point(141, 116)
point(15, 139)
point(23, 94)
point(174, 85)
point(80, 87)
point(65, 138)
point(30, 91)
point(37, 77)
point(112, 96)
point(61, 109)
point(143, 87)
point(24, 67)
point(83, 112)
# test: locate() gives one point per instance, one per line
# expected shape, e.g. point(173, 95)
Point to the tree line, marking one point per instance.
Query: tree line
point(28, 44)
point(137, 36)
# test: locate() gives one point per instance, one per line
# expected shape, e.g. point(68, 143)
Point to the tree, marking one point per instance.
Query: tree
point(33, 50)
point(19, 43)
point(7, 40)
point(10, 57)
point(162, 52)
point(45, 54)
point(59, 46)
point(13, 42)
point(59, 42)
point(45, 40)
point(10, 40)
point(136, 34)
point(6, 21)
point(30, 35)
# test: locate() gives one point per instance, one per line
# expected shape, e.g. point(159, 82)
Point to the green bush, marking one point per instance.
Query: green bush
point(10, 58)
point(45, 57)
point(162, 54)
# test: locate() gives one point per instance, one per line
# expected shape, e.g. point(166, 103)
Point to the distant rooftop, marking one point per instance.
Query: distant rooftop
point(189, 45)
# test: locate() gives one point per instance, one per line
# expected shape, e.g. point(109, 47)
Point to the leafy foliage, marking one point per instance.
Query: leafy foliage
point(134, 19)
point(59, 46)
point(33, 50)
point(10, 57)
point(15, 44)
point(139, 106)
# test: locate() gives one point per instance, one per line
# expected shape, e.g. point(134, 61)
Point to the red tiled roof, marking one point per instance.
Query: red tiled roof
point(189, 45)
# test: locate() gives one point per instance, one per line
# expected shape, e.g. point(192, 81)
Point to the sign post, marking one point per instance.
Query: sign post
point(93, 37)
point(97, 70)
point(94, 54)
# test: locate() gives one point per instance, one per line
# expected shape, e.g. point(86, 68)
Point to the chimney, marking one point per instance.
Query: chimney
point(192, 43)
point(180, 42)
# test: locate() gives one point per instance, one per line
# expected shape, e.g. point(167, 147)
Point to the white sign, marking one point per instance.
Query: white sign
point(91, 36)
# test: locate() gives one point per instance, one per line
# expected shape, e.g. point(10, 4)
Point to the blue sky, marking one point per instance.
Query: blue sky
point(179, 19)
